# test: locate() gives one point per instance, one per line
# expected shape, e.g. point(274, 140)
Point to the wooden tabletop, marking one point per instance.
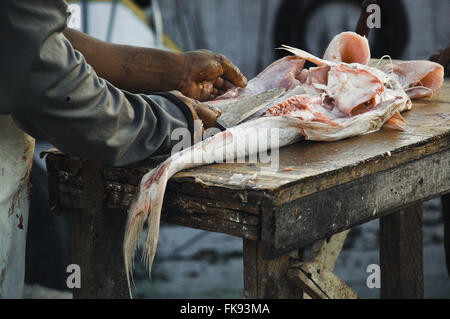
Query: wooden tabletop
point(332, 185)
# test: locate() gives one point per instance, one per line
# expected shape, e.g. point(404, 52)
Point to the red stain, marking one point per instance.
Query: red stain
point(20, 225)
point(13, 204)
point(156, 176)
point(30, 186)
point(27, 148)
point(288, 169)
point(24, 177)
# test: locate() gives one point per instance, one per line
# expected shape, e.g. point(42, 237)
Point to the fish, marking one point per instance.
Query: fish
point(341, 97)
point(419, 79)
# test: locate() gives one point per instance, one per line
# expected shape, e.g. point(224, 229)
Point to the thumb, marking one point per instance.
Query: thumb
point(207, 114)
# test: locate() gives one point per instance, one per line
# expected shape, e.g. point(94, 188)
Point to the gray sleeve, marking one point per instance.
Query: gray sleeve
point(52, 92)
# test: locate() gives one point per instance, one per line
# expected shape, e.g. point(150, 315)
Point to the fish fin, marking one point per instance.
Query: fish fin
point(306, 56)
point(396, 122)
point(420, 91)
point(418, 78)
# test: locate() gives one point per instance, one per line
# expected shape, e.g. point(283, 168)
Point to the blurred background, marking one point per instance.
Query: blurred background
point(197, 264)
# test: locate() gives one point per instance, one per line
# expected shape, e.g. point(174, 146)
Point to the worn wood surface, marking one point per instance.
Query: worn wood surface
point(446, 215)
point(319, 282)
point(401, 254)
point(332, 186)
point(305, 220)
point(314, 274)
point(327, 250)
point(96, 241)
point(267, 279)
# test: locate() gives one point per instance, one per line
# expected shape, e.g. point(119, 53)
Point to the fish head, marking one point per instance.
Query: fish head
point(358, 88)
point(355, 89)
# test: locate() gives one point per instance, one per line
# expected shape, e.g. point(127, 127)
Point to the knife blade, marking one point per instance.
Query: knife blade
point(236, 112)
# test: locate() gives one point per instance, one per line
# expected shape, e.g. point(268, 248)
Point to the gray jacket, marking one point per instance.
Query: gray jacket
point(52, 92)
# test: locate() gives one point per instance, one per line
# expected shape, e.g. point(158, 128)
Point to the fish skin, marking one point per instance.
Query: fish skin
point(304, 111)
point(147, 203)
point(418, 78)
point(283, 73)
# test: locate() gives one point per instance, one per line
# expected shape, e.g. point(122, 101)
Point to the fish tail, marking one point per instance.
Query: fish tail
point(134, 226)
point(153, 221)
point(146, 204)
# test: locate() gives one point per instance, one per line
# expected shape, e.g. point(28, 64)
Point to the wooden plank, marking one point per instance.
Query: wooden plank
point(121, 183)
point(370, 162)
point(194, 212)
point(319, 282)
point(326, 251)
point(315, 273)
point(267, 279)
point(322, 214)
point(209, 223)
point(94, 249)
point(446, 215)
point(174, 204)
point(401, 254)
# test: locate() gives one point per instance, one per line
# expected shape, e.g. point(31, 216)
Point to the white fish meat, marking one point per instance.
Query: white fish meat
point(340, 98)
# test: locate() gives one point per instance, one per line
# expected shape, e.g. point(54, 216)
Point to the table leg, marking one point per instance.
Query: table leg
point(401, 254)
point(446, 214)
point(314, 274)
point(96, 241)
point(267, 278)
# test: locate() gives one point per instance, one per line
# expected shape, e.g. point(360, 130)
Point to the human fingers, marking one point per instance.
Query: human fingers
point(231, 72)
point(206, 114)
point(206, 89)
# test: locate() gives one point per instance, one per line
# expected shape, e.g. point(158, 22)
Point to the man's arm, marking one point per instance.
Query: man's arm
point(52, 92)
point(201, 75)
point(137, 70)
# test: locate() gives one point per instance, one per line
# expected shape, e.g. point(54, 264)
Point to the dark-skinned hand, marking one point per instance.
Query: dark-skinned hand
point(208, 75)
point(199, 110)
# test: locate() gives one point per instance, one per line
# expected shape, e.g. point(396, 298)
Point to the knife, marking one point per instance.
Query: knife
point(240, 110)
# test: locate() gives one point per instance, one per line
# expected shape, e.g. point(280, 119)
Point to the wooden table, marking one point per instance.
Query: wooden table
point(332, 187)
